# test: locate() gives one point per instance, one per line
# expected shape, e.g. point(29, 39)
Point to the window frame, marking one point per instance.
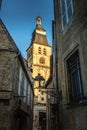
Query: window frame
point(66, 12)
point(69, 83)
point(20, 81)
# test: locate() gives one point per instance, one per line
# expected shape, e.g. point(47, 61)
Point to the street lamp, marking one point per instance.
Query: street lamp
point(48, 91)
point(39, 78)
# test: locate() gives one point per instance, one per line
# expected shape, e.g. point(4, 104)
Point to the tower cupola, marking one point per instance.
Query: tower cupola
point(38, 20)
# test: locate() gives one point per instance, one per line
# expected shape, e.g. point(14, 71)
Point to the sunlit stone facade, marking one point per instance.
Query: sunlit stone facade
point(38, 57)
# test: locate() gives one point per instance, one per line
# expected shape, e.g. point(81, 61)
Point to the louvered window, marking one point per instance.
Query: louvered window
point(39, 50)
point(44, 51)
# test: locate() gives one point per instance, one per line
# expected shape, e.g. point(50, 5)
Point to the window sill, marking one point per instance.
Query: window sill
point(76, 104)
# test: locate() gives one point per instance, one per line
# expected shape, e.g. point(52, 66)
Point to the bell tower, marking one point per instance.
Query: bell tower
point(38, 58)
point(39, 51)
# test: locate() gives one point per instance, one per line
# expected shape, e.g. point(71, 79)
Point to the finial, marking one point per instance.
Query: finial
point(38, 20)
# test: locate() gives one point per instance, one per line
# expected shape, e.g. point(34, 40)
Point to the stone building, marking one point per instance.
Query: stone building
point(38, 58)
point(16, 92)
point(70, 41)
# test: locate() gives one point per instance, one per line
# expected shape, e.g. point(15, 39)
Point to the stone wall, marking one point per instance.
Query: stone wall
point(73, 37)
point(15, 112)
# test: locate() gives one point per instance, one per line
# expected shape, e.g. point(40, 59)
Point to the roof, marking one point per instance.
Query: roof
point(39, 36)
point(12, 47)
point(11, 42)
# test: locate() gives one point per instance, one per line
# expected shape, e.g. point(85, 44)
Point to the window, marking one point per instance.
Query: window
point(66, 11)
point(42, 98)
point(28, 95)
point(39, 50)
point(44, 51)
point(25, 90)
point(74, 78)
point(20, 81)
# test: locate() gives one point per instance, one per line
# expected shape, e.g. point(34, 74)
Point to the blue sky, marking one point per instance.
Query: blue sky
point(19, 17)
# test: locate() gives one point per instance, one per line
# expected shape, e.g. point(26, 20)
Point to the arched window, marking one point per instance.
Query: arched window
point(44, 51)
point(39, 50)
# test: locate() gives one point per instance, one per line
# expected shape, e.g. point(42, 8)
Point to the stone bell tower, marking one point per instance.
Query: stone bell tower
point(38, 58)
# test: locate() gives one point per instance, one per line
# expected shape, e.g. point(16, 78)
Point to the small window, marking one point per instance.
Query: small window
point(44, 51)
point(66, 11)
point(20, 81)
point(74, 78)
point(42, 98)
point(39, 50)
